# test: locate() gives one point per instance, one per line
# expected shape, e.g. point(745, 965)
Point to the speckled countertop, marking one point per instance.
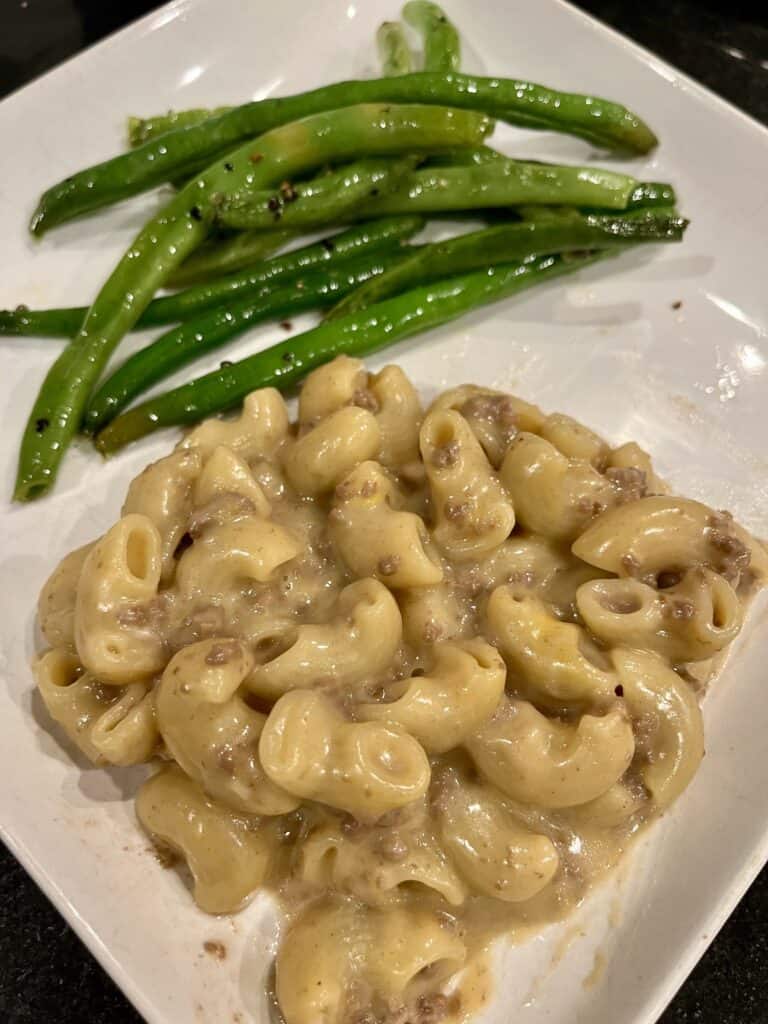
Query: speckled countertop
point(46, 975)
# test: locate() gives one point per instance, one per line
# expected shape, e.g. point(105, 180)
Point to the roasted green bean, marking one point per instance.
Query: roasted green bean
point(323, 200)
point(182, 225)
point(442, 49)
point(394, 54)
point(492, 184)
point(509, 242)
point(503, 183)
point(315, 290)
point(282, 365)
point(362, 238)
point(181, 150)
point(224, 254)
point(141, 129)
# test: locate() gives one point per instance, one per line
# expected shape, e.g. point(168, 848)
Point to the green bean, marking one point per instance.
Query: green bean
point(330, 194)
point(179, 151)
point(41, 323)
point(394, 54)
point(493, 184)
point(442, 49)
point(223, 255)
point(509, 242)
point(282, 365)
point(362, 238)
point(179, 181)
point(324, 200)
point(141, 129)
point(501, 183)
point(647, 197)
point(176, 348)
point(182, 225)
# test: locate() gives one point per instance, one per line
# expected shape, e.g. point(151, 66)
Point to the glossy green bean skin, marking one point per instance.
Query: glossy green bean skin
point(41, 323)
point(359, 239)
point(394, 53)
point(323, 200)
point(442, 49)
point(464, 157)
point(282, 365)
point(491, 182)
point(223, 255)
point(503, 183)
point(141, 129)
point(181, 150)
point(652, 193)
point(507, 243)
point(58, 409)
point(174, 349)
point(182, 225)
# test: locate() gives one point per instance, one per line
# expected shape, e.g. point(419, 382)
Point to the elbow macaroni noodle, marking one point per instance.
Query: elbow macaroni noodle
point(473, 514)
point(376, 864)
point(362, 638)
point(538, 760)
point(375, 537)
point(423, 674)
point(120, 574)
point(211, 732)
point(163, 493)
point(446, 706)
point(554, 495)
point(310, 749)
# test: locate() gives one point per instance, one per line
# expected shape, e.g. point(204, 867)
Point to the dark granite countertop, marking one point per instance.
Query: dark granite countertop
point(46, 975)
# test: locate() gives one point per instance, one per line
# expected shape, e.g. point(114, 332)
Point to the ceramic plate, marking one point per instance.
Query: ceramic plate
point(665, 347)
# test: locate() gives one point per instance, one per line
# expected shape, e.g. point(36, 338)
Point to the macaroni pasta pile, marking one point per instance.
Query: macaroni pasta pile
point(423, 675)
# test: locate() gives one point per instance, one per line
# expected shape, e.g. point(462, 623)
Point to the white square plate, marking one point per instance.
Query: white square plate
point(608, 347)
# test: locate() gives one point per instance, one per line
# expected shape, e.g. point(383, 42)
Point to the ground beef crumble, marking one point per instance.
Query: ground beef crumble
point(224, 652)
point(677, 608)
point(388, 565)
point(446, 455)
point(498, 409)
point(365, 399)
point(730, 556)
point(220, 509)
point(630, 482)
point(457, 511)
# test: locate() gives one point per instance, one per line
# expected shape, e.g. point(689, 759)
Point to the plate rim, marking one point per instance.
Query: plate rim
point(99, 950)
point(694, 86)
point(665, 987)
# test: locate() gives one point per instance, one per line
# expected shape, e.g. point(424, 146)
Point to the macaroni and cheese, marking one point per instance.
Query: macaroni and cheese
point(422, 673)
